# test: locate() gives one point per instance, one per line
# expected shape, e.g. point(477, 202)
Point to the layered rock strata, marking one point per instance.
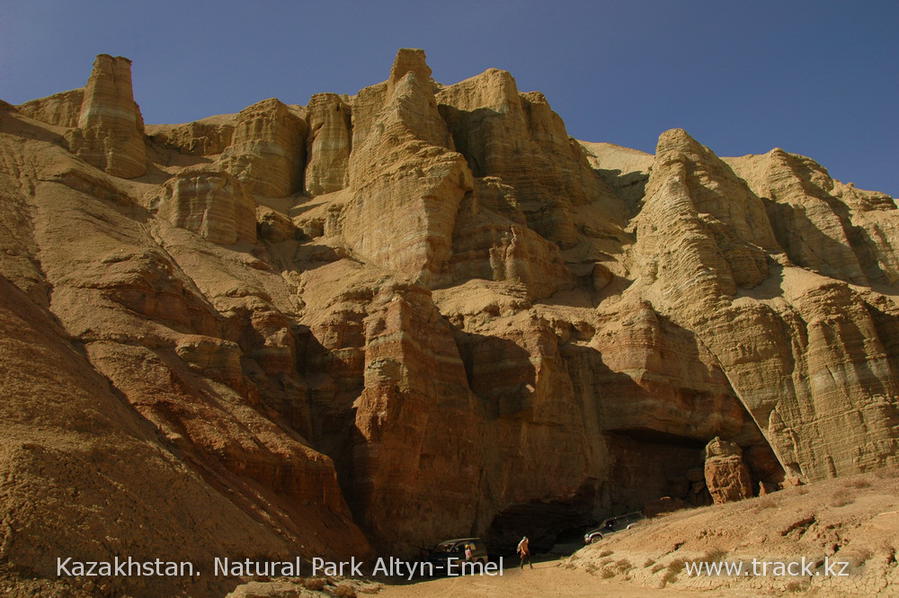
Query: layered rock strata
point(517, 137)
point(407, 181)
point(206, 137)
point(212, 204)
point(421, 311)
point(718, 270)
point(110, 131)
point(328, 145)
point(267, 149)
point(61, 109)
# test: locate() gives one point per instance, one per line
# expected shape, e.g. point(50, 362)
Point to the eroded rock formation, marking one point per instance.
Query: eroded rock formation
point(61, 109)
point(726, 475)
point(329, 144)
point(416, 312)
point(110, 131)
point(407, 181)
point(267, 149)
point(205, 137)
point(211, 204)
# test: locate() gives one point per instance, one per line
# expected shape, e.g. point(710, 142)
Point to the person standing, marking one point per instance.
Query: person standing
point(524, 552)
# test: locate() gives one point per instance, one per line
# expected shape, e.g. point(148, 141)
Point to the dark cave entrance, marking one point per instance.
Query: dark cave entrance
point(648, 465)
point(543, 522)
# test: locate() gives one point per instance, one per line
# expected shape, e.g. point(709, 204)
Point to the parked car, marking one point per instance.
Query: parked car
point(456, 548)
point(613, 524)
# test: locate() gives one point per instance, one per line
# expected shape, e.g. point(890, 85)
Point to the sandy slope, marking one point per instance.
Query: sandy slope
point(545, 580)
point(853, 520)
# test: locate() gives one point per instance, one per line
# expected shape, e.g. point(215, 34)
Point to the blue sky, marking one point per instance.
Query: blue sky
point(818, 78)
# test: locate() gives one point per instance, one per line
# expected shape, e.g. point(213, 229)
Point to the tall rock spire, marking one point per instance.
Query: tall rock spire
point(328, 144)
point(426, 182)
point(409, 60)
point(110, 133)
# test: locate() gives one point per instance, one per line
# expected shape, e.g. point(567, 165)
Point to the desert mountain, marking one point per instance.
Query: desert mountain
point(372, 322)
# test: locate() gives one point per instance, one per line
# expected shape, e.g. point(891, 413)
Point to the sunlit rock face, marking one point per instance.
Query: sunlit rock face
point(267, 149)
point(328, 145)
point(212, 204)
point(61, 109)
point(110, 130)
point(422, 311)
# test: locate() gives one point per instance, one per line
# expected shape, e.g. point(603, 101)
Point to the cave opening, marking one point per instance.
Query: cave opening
point(647, 465)
point(544, 523)
point(654, 471)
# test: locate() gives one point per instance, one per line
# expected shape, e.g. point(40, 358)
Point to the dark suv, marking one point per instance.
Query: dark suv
point(613, 524)
point(440, 554)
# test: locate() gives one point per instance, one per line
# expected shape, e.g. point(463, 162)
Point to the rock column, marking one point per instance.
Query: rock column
point(110, 133)
point(328, 144)
point(726, 475)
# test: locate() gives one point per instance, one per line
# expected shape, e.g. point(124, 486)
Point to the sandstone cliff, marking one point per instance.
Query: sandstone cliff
point(420, 311)
point(212, 204)
point(267, 148)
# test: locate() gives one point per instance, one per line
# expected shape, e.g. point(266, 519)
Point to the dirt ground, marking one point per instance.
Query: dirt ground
point(853, 519)
point(546, 579)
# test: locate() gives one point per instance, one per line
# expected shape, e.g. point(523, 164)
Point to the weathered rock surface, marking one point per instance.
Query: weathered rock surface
point(61, 109)
point(772, 325)
point(267, 149)
point(205, 137)
point(110, 133)
point(492, 241)
point(421, 311)
point(407, 181)
point(71, 444)
point(517, 137)
point(822, 224)
point(726, 475)
point(329, 144)
point(211, 204)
